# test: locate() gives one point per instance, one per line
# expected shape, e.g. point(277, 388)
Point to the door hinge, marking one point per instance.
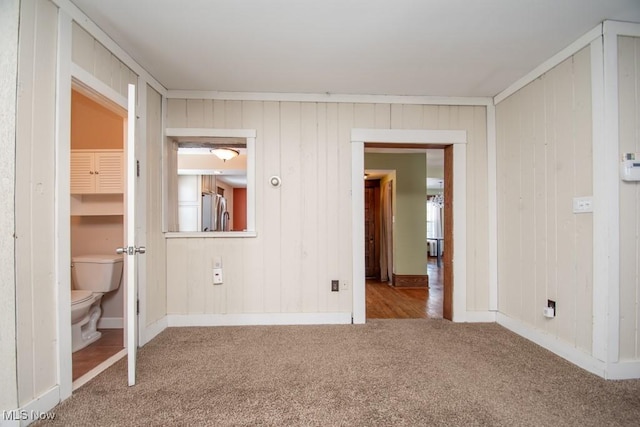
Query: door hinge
point(138, 306)
point(138, 168)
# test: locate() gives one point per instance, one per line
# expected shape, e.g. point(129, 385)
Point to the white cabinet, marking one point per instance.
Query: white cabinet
point(97, 172)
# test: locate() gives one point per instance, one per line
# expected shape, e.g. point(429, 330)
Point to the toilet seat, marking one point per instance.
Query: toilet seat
point(80, 296)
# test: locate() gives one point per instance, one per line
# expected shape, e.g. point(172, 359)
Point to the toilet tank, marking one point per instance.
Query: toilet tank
point(96, 273)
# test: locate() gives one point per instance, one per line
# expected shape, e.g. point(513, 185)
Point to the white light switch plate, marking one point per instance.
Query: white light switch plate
point(582, 204)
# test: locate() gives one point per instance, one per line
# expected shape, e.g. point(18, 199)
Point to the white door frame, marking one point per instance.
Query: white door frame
point(435, 137)
point(69, 72)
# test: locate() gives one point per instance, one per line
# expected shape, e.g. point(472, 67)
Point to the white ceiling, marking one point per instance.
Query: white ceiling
point(380, 47)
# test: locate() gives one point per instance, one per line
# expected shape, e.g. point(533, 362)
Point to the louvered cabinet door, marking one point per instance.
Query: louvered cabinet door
point(82, 172)
point(109, 172)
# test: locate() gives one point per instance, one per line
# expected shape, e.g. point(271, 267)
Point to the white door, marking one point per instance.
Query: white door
point(131, 250)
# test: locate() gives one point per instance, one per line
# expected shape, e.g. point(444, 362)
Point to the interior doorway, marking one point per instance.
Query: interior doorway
point(454, 144)
point(383, 298)
point(97, 224)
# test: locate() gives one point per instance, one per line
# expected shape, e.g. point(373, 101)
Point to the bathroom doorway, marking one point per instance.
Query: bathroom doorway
point(97, 226)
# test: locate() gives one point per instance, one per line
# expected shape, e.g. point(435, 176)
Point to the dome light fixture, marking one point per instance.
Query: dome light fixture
point(224, 154)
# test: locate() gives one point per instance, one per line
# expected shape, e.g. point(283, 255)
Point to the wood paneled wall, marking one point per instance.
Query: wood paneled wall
point(629, 110)
point(91, 55)
point(304, 226)
point(156, 287)
point(36, 290)
point(544, 159)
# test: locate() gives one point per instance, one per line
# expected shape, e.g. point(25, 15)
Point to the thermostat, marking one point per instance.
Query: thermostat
point(630, 167)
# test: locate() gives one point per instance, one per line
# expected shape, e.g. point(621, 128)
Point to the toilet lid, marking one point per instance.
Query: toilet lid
point(80, 296)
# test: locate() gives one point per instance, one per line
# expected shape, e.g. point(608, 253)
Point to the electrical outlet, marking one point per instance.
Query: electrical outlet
point(335, 285)
point(551, 311)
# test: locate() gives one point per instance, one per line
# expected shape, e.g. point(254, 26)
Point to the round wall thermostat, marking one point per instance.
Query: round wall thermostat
point(275, 181)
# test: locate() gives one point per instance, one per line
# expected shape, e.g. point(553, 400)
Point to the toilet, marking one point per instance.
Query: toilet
point(91, 276)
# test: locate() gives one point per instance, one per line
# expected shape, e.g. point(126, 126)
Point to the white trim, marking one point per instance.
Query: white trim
point(98, 369)
point(459, 232)
point(211, 133)
point(459, 139)
point(618, 28)
point(409, 136)
point(358, 287)
point(41, 405)
point(83, 20)
point(601, 196)
point(492, 202)
point(141, 204)
point(327, 97)
point(553, 344)
point(556, 59)
point(62, 199)
point(249, 319)
point(480, 317)
point(98, 86)
point(609, 194)
point(152, 330)
point(251, 184)
point(110, 323)
point(209, 234)
point(624, 370)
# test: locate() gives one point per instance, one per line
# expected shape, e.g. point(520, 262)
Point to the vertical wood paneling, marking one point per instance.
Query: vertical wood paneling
point(36, 287)
point(333, 205)
point(156, 286)
point(304, 226)
point(629, 110)
point(195, 113)
point(309, 200)
point(254, 277)
point(177, 285)
point(583, 186)
point(345, 124)
point(290, 215)
point(272, 230)
point(95, 58)
point(544, 161)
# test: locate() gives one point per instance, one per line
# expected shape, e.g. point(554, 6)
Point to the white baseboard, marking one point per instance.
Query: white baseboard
point(479, 317)
point(98, 369)
point(554, 344)
point(625, 370)
point(37, 409)
point(110, 323)
point(246, 319)
point(152, 330)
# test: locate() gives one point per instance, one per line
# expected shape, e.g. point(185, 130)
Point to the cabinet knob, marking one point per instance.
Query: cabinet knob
point(90, 172)
point(97, 172)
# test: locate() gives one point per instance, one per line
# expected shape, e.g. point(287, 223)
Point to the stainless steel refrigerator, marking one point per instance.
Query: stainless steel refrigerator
point(215, 216)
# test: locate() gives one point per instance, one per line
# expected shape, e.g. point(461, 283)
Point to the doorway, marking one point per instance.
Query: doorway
point(417, 177)
point(454, 144)
point(97, 224)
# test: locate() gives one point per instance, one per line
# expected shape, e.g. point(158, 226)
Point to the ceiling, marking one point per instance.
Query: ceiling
point(377, 47)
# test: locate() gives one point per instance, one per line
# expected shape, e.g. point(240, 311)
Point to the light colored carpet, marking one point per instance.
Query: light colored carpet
point(386, 373)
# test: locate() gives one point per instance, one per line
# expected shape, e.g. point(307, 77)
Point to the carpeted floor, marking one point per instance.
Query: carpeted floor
point(386, 373)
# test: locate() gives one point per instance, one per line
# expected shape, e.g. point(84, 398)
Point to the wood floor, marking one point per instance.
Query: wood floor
point(94, 354)
point(388, 302)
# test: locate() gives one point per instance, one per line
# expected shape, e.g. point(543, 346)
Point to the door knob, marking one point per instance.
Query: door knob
point(131, 250)
point(140, 250)
point(122, 250)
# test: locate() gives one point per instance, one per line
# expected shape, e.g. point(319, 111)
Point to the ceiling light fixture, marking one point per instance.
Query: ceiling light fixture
point(224, 154)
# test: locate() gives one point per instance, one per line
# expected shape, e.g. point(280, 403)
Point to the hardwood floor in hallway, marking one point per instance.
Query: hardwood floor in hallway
point(94, 354)
point(388, 302)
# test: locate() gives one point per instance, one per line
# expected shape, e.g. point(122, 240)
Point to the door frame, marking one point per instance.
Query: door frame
point(402, 138)
point(71, 75)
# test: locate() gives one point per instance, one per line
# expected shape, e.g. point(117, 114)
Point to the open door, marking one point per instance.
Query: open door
point(131, 250)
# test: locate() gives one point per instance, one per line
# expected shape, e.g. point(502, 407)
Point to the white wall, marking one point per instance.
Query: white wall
point(544, 159)
point(9, 18)
point(629, 134)
point(304, 226)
